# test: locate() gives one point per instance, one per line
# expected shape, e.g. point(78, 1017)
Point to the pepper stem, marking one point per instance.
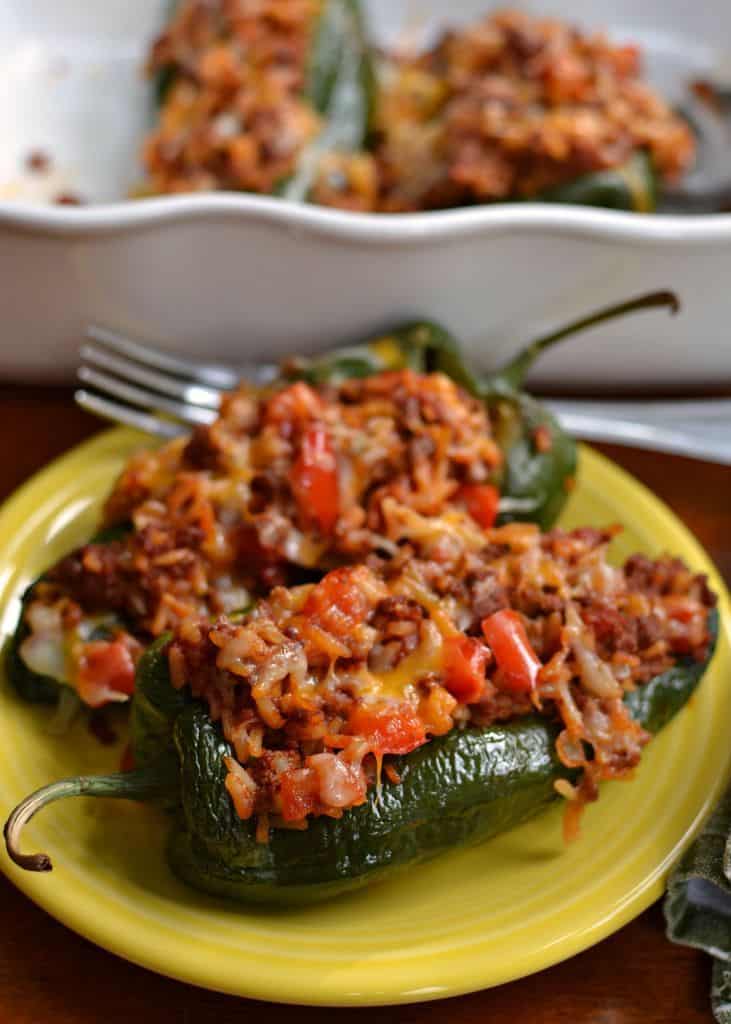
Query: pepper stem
point(125, 785)
point(513, 374)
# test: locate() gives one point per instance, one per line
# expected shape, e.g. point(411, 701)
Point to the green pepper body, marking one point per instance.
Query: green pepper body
point(633, 186)
point(457, 789)
point(340, 51)
point(341, 88)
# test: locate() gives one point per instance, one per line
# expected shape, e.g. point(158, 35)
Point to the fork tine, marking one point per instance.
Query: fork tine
point(192, 394)
point(118, 413)
point(210, 376)
point(147, 400)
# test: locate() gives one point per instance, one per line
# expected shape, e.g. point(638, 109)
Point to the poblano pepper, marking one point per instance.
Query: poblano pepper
point(539, 456)
point(460, 788)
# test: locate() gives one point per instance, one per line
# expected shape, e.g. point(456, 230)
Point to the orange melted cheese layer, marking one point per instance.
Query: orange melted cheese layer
point(398, 683)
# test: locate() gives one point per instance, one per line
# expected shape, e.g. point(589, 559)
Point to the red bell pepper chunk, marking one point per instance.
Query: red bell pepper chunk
point(315, 479)
point(388, 729)
point(518, 663)
point(481, 502)
point(464, 668)
point(337, 603)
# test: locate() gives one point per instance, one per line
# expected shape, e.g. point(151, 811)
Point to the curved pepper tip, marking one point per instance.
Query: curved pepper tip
point(669, 299)
point(11, 833)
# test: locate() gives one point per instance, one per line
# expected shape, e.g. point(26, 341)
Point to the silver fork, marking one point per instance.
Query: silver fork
point(130, 382)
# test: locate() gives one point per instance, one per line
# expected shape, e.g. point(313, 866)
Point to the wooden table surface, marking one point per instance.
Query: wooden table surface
point(49, 974)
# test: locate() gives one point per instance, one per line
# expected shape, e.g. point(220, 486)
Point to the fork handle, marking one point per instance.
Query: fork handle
point(709, 440)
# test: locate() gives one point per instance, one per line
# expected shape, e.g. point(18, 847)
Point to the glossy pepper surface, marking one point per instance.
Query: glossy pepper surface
point(461, 788)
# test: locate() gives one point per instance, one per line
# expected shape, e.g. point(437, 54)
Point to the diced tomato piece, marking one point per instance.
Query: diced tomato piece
point(315, 479)
point(388, 729)
point(106, 672)
point(464, 668)
point(518, 663)
point(293, 405)
point(481, 502)
point(337, 603)
point(298, 793)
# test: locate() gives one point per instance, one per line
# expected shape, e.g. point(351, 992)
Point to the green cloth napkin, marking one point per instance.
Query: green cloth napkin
point(698, 903)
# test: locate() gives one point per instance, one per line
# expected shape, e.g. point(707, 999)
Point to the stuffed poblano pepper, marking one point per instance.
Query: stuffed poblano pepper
point(352, 727)
point(252, 99)
point(288, 99)
point(631, 186)
point(327, 466)
point(538, 458)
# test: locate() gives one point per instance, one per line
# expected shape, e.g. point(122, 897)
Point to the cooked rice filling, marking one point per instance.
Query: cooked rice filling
point(321, 682)
point(284, 485)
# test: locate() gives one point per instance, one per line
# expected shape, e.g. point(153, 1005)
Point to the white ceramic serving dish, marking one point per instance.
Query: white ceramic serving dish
point(236, 276)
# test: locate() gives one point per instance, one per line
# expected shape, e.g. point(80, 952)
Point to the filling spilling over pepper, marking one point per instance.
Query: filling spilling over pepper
point(293, 481)
point(332, 463)
point(320, 683)
point(510, 107)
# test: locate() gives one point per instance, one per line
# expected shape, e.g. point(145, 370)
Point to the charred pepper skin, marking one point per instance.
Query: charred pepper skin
point(457, 789)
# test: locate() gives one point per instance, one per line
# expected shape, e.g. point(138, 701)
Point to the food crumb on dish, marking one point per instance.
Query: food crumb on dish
point(38, 161)
point(68, 199)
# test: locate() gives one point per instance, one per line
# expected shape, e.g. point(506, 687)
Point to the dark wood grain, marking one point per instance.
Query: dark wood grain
point(49, 974)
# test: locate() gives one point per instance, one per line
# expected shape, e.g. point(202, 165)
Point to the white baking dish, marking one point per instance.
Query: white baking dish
point(235, 276)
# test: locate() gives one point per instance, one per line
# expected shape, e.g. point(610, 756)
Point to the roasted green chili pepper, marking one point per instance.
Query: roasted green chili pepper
point(632, 186)
point(540, 457)
point(460, 788)
point(340, 86)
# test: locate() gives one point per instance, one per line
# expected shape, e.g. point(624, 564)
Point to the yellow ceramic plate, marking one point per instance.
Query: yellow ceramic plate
point(472, 919)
